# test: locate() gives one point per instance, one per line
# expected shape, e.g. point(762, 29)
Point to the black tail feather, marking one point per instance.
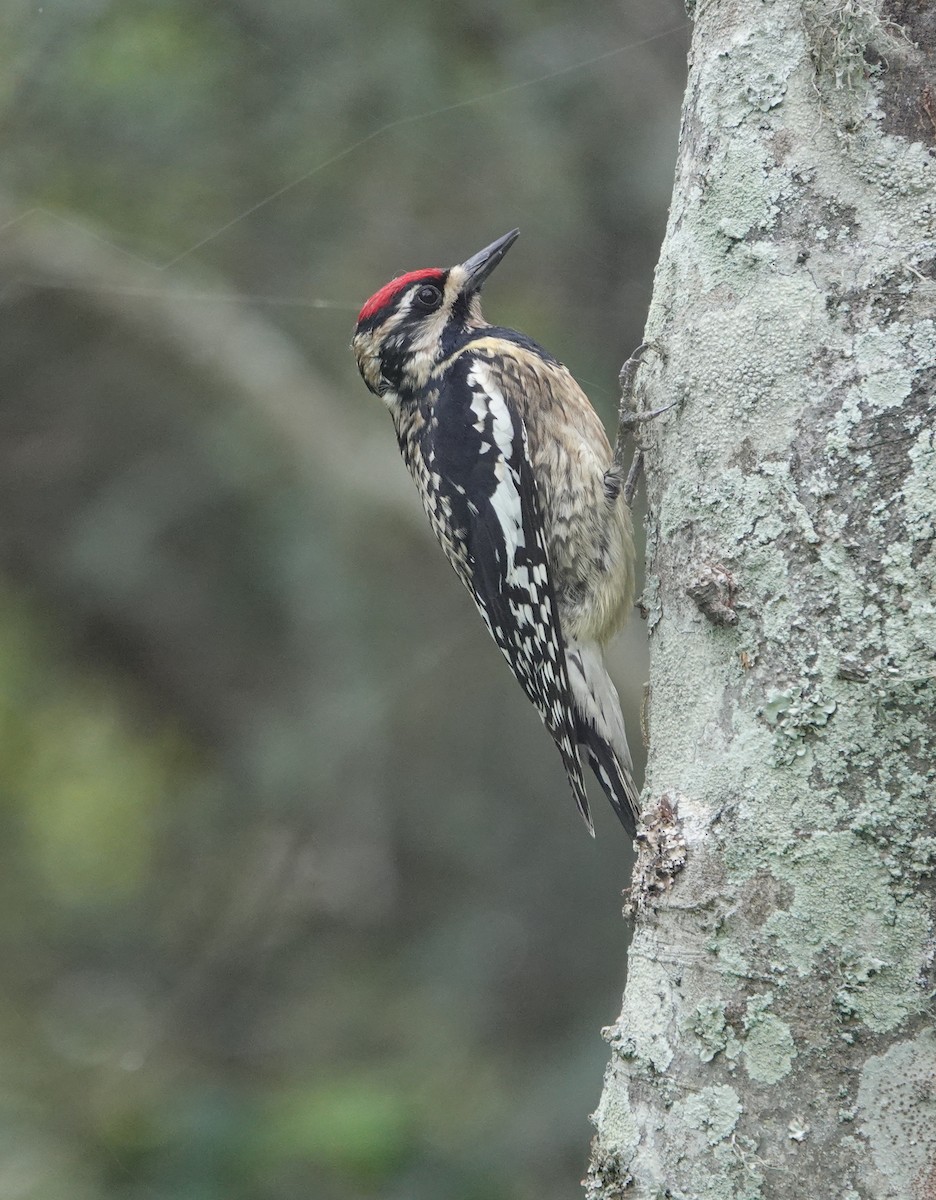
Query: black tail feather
point(614, 777)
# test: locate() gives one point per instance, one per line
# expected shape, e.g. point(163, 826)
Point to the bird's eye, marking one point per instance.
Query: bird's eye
point(428, 296)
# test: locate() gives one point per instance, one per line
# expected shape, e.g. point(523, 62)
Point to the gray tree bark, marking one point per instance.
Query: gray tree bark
point(777, 1034)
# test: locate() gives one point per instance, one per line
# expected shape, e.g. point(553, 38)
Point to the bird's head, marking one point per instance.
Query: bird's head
point(415, 320)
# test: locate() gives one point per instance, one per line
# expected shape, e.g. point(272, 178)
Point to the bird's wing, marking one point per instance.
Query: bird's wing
point(476, 442)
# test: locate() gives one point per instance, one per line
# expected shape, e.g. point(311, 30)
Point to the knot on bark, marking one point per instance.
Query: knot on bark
point(713, 591)
point(608, 1178)
point(661, 854)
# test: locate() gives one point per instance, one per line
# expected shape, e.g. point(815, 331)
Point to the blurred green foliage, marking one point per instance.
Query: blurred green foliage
point(82, 785)
point(293, 898)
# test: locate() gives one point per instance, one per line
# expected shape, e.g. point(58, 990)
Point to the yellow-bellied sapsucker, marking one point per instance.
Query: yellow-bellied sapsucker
point(518, 479)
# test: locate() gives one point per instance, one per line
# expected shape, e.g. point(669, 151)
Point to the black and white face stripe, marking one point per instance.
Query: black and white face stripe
point(389, 298)
point(402, 334)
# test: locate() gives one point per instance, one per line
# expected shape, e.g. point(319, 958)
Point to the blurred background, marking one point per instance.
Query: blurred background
point(294, 900)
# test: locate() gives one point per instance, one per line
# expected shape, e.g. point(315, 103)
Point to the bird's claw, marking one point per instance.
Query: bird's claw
point(629, 418)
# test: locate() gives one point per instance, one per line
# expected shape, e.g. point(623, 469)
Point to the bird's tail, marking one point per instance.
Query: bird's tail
point(600, 730)
point(573, 766)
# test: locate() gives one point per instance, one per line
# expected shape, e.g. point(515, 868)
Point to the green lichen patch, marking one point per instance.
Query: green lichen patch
point(843, 903)
point(763, 1042)
point(642, 1033)
point(897, 1110)
point(712, 1032)
point(794, 715)
point(711, 1113)
point(617, 1139)
point(769, 1048)
point(715, 1160)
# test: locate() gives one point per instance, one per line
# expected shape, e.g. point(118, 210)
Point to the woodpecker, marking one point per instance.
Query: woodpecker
point(518, 479)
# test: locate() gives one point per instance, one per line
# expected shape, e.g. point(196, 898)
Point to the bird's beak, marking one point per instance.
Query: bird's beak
point(480, 265)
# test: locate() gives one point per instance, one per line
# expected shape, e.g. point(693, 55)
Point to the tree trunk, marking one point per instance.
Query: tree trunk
point(777, 1033)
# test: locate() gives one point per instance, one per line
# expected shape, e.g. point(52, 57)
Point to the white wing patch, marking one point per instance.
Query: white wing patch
point(474, 453)
point(487, 400)
point(466, 445)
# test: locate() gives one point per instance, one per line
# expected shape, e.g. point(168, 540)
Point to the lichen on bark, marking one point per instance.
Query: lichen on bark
point(780, 989)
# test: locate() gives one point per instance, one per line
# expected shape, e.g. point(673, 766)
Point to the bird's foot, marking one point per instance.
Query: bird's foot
point(630, 417)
